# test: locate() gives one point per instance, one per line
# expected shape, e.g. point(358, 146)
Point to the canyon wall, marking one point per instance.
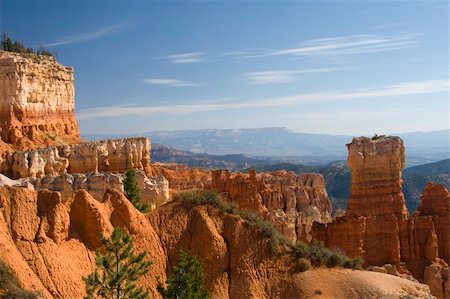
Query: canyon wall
point(376, 225)
point(49, 243)
point(36, 101)
point(117, 155)
point(153, 190)
point(290, 201)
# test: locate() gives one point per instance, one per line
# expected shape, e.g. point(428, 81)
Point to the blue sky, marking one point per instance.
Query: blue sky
point(337, 67)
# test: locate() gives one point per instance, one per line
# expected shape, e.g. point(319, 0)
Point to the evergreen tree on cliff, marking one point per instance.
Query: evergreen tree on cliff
point(186, 282)
point(118, 270)
point(132, 191)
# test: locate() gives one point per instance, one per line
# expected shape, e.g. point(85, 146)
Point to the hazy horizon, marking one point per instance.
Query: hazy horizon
point(336, 67)
point(260, 128)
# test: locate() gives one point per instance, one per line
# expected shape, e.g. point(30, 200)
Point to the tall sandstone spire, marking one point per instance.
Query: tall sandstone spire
point(376, 186)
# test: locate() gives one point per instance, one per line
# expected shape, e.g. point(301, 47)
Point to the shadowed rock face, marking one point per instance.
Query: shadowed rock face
point(36, 101)
point(376, 225)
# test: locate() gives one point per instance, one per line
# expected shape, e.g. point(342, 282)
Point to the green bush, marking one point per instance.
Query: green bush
point(187, 281)
point(335, 259)
point(133, 192)
point(353, 263)
point(19, 47)
point(302, 265)
point(10, 286)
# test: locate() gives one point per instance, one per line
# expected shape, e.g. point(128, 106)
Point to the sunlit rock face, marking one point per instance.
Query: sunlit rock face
point(291, 202)
point(153, 190)
point(117, 155)
point(37, 101)
point(376, 225)
point(376, 182)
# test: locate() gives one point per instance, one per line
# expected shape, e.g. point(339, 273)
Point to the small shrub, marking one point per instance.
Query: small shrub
point(302, 265)
point(18, 47)
point(335, 259)
point(353, 263)
point(317, 292)
point(300, 250)
point(319, 254)
point(10, 286)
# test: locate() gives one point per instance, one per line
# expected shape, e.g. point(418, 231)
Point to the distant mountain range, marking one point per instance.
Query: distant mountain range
point(336, 174)
point(286, 145)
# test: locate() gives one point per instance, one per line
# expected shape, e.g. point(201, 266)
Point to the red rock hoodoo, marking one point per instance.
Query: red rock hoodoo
point(376, 225)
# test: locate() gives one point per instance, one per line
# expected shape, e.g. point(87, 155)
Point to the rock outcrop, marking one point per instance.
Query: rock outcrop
point(154, 190)
point(36, 101)
point(376, 226)
point(49, 243)
point(376, 181)
point(292, 202)
point(116, 155)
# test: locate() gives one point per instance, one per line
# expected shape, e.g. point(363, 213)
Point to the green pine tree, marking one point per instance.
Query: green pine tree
point(118, 270)
point(132, 191)
point(186, 282)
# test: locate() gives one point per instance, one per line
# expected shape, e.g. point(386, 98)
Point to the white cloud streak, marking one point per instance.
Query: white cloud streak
point(88, 36)
point(407, 88)
point(333, 46)
point(280, 76)
point(169, 82)
point(186, 58)
point(346, 45)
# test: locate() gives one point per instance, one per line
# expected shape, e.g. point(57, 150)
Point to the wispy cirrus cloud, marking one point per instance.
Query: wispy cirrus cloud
point(88, 36)
point(193, 57)
point(346, 45)
point(405, 88)
point(169, 82)
point(332, 46)
point(280, 76)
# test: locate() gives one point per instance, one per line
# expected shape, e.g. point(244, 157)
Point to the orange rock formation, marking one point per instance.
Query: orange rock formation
point(49, 243)
point(36, 101)
point(376, 225)
point(117, 155)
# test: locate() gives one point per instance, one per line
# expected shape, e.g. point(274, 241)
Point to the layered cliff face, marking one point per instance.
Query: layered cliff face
point(376, 177)
point(49, 243)
point(291, 202)
point(116, 155)
point(376, 224)
point(36, 101)
point(154, 190)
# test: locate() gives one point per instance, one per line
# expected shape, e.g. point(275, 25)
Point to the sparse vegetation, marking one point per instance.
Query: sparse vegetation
point(118, 270)
point(376, 136)
point(317, 292)
point(19, 47)
point(316, 253)
point(132, 191)
point(10, 286)
point(213, 198)
point(186, 281)
point(323, 256)
point(302, 265)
